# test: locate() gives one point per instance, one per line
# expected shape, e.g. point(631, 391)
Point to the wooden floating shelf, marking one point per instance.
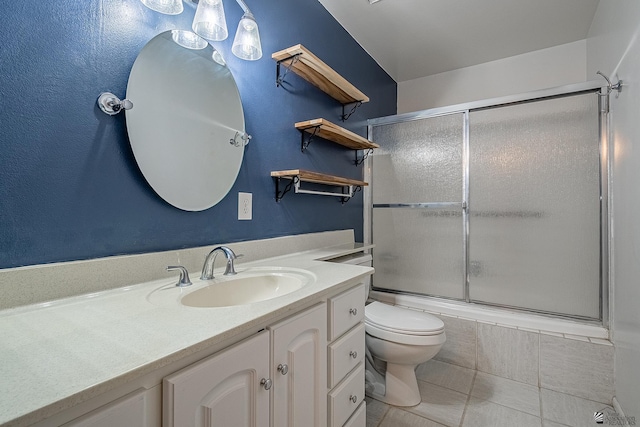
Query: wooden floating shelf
point(315, 71)
point(327, 130)
point(317, 178)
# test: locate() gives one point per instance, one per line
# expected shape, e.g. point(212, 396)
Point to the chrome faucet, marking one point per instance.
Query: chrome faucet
point(207, 268)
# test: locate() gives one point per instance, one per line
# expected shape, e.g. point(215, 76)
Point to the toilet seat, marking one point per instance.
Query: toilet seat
point(402, 325)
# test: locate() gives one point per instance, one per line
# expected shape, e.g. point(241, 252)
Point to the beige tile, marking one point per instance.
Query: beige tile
point(375, 411)
point(547, 423)
point(600, 341)
point(440, 404)
point(569, 410)
point(460, 347)
point(515, 395)
point(576, 337)
point(398, 418)
point(481, 413)
point(508, 353)
point(578, 368)
point(446, 375)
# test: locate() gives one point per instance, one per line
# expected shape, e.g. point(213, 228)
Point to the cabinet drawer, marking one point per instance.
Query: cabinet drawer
point(346, 310)
point(345, 354)
point(345, 398)
point(359, 418)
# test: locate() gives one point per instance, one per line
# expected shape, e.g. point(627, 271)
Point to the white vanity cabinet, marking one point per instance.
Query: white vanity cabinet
point(223, 390)
point(299, 369)
point(346, 353)
point(286, 363)
point(138, 409)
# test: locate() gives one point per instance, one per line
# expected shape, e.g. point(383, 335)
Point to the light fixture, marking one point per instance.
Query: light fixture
point(168, 7)
point(210, 23)
point(246, 44)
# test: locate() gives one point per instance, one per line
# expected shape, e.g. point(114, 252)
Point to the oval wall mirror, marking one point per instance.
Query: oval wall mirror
point(186, 126)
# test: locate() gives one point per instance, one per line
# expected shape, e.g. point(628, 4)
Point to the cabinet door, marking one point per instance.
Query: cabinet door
point(223, 390)
point(299, 390)
point(138, 409)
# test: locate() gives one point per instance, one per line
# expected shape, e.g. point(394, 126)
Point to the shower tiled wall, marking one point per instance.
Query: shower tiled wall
point(579, 366)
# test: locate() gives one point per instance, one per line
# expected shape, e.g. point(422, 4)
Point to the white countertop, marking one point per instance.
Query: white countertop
point(56, 355)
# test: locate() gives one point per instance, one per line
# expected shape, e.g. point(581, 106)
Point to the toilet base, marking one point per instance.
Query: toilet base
point(400, 386)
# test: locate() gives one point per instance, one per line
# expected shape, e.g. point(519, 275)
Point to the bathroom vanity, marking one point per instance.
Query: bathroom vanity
point(137, 356)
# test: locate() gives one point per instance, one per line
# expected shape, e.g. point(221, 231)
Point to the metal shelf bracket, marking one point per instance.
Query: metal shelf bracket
point(365, 153)
point(287, 68)
point(345, 116)
point(304, 144)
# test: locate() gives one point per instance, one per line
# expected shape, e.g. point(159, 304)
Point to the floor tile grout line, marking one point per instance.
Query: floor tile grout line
point(466, 404)
point(384, 415)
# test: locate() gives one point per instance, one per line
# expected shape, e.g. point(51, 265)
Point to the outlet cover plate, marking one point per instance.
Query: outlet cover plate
point(244, 206)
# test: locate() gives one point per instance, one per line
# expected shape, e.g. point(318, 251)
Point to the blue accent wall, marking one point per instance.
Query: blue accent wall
point(69, 185)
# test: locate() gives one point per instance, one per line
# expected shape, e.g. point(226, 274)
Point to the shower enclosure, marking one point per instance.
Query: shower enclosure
point(499, 202)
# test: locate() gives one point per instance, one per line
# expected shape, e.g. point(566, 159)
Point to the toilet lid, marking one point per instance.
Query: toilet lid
point(402, 320)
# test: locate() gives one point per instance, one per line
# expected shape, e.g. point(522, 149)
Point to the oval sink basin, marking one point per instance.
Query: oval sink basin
point(247, 287)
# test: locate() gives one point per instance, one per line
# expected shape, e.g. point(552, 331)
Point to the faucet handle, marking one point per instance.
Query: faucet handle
point(184, 275)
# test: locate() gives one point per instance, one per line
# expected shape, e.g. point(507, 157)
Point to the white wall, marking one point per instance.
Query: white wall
point(542, 69)
point(613, 47)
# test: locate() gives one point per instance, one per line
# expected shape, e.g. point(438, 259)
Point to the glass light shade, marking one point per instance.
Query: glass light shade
point(246, 44)
point(168, 7)
point(188, 39)
point(209, 21)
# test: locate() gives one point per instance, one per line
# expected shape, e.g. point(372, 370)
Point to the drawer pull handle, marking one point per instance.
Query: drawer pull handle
point(353, 354)
point(283, 369)
point(353, 398)
point(266, 383)
point(353, 311)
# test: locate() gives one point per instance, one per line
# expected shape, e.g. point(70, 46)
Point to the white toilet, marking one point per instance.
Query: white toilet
point(397, 341)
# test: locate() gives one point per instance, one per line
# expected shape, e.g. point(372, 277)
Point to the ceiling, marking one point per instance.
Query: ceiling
point(417, 38)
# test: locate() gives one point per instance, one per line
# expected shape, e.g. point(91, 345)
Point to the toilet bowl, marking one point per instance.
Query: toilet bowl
point(397, 341)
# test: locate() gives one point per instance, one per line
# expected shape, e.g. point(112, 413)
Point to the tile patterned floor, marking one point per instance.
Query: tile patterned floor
point(454, 396)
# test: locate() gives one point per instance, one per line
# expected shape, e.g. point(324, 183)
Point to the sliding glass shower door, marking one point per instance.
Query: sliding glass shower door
point(499, 205)
point(417, 206)
point(535, 205)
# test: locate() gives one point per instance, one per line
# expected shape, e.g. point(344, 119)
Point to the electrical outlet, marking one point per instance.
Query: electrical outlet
point(244, 206)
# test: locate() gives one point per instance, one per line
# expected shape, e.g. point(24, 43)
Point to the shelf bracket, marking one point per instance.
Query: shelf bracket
point(365, 153)
point(280, 194)
point(287, 68)
point(345, 116)
point(352, 191)
point(305, 144)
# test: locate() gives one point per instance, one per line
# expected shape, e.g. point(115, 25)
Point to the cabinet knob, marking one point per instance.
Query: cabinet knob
point(353, 398)
point(353, 311)
point(353, 354)
point(266, 383)
point(283, 369)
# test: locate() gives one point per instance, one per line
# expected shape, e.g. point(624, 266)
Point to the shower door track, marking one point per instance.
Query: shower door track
point(465, 108)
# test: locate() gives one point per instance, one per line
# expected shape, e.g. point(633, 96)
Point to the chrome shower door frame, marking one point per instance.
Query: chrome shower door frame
point(465, 109)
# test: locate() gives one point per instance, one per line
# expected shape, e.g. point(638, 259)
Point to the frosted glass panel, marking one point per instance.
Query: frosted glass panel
point(418, 161)
point(419, 251)
point(534, 206)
